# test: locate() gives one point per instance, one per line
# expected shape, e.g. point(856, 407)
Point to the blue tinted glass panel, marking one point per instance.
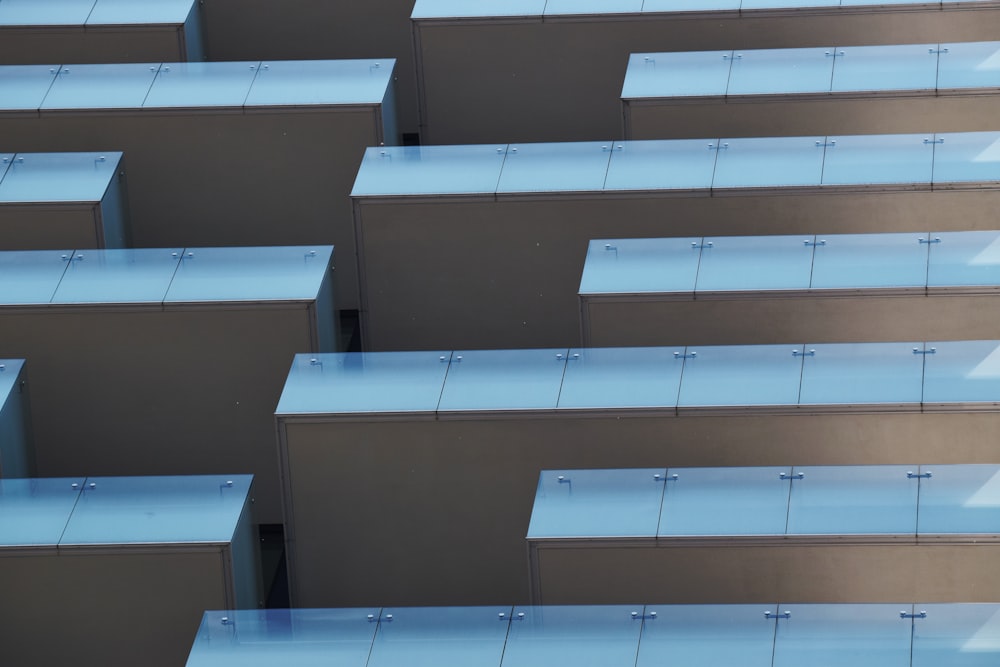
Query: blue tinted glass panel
point(201, 85)
point(75, 177)
point(707, 636)
point(781, 71)
point(504, 380)
point(885, 158)
point(960, 499)
point(725, 501)
point(853, 500)
point(118, 276)
point(9, 370)
point(364, 382)
point(749, 263)
point(25, 86)
point(5, 159)
point(769, 162)
point(884, 68)
point(957, 635)
point(31, 276)
point(969, 65)
point(842, 635)
point(962, 258)
point(124, 12)
point(597, 503)
point(685, 164)
point(652, 6)
point(583, 636)
point(50, 12)
point(321, 82)
point(430, 170)
point(697, 73)
point(131, 510)
point(557, 7)
point(436, 636)
point(250, 274)
point(966, 157)
point(846, 261)
point(861, 374)
point(629, 266)
point(621, 377)
point(556, 167)
point(962, 372)
point(740, 375)
point(431, 9)
point(35, 511)
point(299, 637)
point(119, 86)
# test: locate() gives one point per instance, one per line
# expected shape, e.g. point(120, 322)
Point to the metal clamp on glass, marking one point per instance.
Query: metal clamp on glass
point(798, 475)
point(372, 618)
point(678, 355)
point(699, 246)
point(922, 475)
point(718, 147)
point(826, 144)
point(780, 614)
point(917, 350)
point(834, 54)
point(572, 357)
point(936, 239)
point(934, 141)
point(803, 353)
point(660, 478)
point(807, 242)
point(518, 617)
point(636, 616)
point(562, 480)
point(919, 614)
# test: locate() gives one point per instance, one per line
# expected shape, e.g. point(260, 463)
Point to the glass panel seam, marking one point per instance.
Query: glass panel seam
point(506, 637)
point(48, 90)
point(62, 275)
point(79, 494)
point(371, 646)
point(503, 163)
point(92, 8)
point(444, 380)
point(256, 72)
point(152, 83)
point(173, 275)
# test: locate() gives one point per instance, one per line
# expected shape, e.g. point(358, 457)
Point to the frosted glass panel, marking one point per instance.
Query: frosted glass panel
point(69, 177)
point(883, 68)
point(707, 636)
point(293, 637)
point(861, 374)
point(629, 266)
point(969, 65)
point(853, 500)
point(685, 164)
point(843, 635)
point(364, 382)
point(119, 86)
point(846, 261)
point(886, 158)
point(966, 157)
point(130, 510)
point(597, 503)
point(582, 636)
point(957, 635)
point(556, 167)
point(31, 276)
point(250, 274)
point(620, 377)
point(725, 501)
point(419, 170)
point(436, 636)
point(118, 276)
point(504, 380)
point(747, 375)
point(194, 84)
point(34, 512)
point(769, 162)
point(325, 82)
point(960, 499)
point(781, 71)
point(965, 372)
point(738, 263)
point(23, 87)
point(963, 258)
point(697, 73)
